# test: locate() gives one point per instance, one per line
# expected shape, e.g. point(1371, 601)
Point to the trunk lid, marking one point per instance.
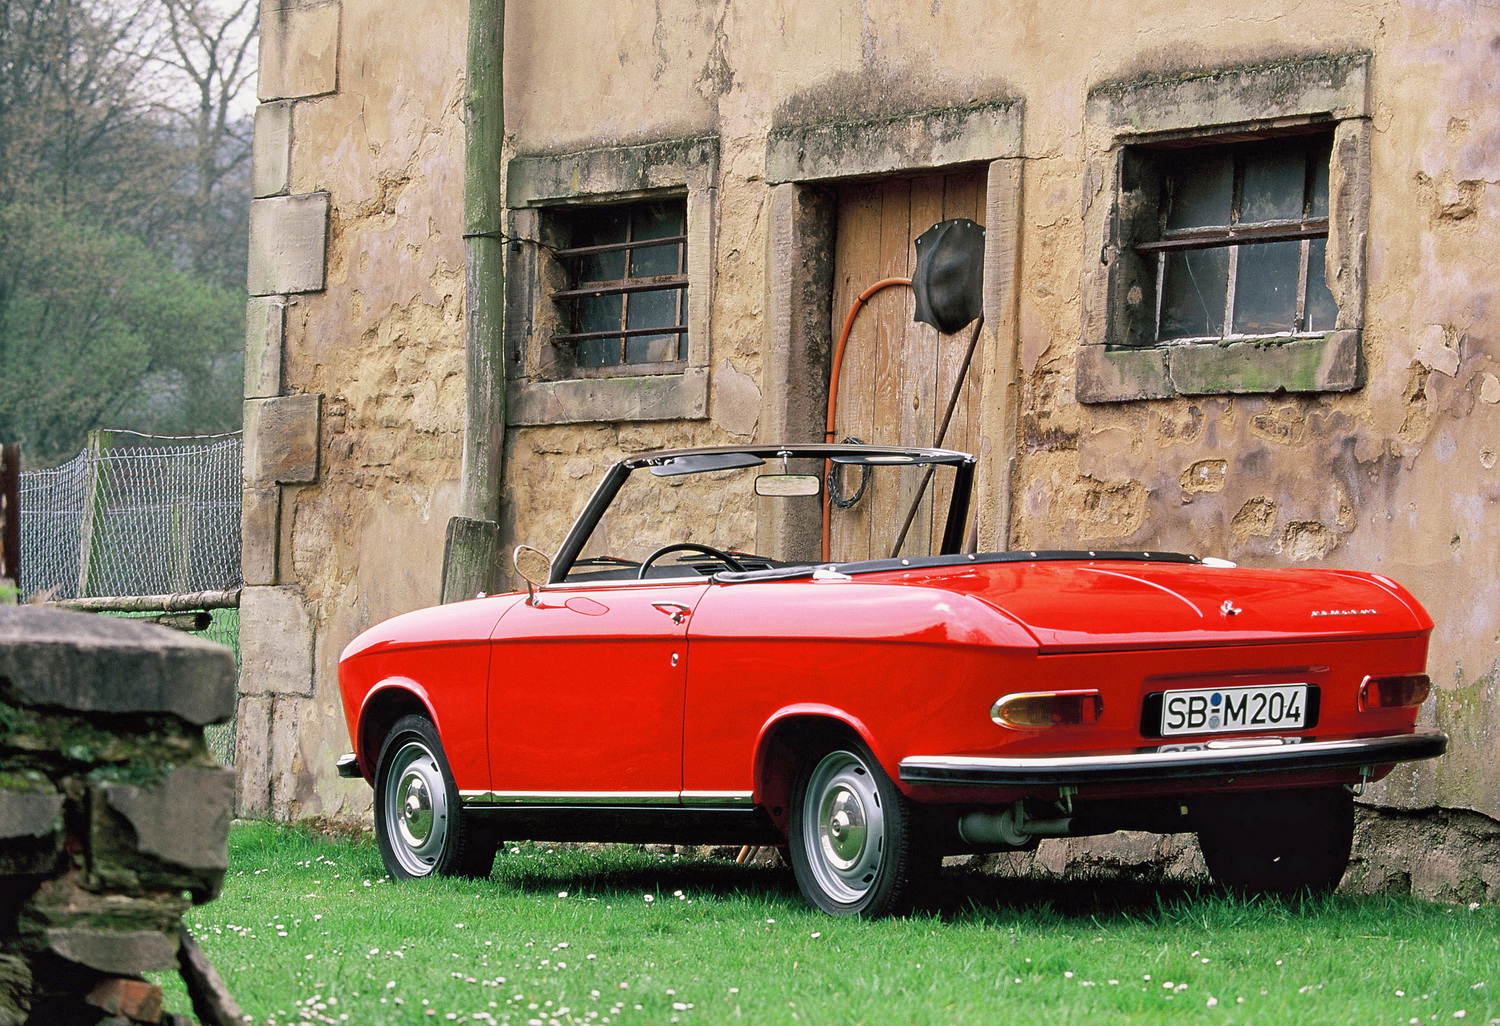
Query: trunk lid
point(1105, 605)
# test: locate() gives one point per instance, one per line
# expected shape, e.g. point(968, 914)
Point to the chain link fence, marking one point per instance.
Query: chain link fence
point(134, 515)
point(140, 515)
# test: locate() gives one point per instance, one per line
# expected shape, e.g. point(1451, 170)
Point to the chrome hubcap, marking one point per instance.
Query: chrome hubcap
point(843, 831)
point(842, 828)
point(416, 815)
point(414, 808)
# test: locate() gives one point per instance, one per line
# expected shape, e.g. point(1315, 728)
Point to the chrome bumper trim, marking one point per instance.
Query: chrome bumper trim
point(1152, 766)
point(348, 765)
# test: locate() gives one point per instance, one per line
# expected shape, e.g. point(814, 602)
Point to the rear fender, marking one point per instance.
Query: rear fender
point(786, 736)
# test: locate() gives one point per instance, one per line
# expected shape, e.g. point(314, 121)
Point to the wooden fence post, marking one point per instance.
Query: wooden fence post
point(10, 513)
point(92, 498)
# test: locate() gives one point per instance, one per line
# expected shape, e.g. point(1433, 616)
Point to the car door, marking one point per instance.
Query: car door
point(586, 694)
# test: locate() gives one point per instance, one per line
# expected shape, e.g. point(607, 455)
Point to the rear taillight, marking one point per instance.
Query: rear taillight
point(1403, 692)
point(1033, 710)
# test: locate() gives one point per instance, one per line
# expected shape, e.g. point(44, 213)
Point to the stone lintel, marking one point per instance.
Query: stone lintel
point(299, 48)
point(281, 440)
point(613, 170)
point(276, 642)
point(265, 334)
point(900, 142)
point(89, 663)
point(288, 244)
point(271, 150)
point(1334, 85)
point(587, 400)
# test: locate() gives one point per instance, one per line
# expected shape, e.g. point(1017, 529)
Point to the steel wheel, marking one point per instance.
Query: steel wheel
point(415, 808)
point(419, 826)
point(851, 842)
point(845, 835)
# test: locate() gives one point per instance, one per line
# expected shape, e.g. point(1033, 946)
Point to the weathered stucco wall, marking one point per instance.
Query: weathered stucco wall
point(1398, 476)
point(378, 131)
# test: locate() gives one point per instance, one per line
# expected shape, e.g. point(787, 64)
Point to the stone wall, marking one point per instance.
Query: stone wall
point(114, 817)
point(1392, 468)
point(1436, 854)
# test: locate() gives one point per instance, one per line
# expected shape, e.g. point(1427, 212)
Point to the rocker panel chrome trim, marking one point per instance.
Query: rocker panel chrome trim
point(717, 797)
point(570, 797)
point(693, 798)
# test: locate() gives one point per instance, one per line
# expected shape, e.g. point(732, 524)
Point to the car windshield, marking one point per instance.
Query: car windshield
point(762, 517)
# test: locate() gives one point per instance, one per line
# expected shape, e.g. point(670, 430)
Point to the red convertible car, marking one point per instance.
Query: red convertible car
point(693, 666)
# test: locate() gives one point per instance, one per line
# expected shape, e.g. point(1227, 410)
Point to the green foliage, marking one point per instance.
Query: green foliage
point(121, 224)
point(309, 929)
point(89, 319)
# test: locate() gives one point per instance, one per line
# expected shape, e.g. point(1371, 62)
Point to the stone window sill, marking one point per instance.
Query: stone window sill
point(1331, 363)
point(594, 400)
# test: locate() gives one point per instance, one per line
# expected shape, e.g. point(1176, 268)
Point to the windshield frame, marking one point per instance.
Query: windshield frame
point(881, 455)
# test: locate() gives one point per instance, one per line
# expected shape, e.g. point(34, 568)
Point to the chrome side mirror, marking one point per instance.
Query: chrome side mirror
point(534, 566)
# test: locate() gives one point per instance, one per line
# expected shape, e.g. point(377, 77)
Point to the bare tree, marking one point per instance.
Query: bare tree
point(208, 48)
point(71, 114)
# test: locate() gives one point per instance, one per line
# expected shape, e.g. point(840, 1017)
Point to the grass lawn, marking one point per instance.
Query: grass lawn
point(309, 930)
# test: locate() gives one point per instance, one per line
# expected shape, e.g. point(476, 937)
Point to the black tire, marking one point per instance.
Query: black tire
point(420, 826)
point(854, 843)
point(1279, 842)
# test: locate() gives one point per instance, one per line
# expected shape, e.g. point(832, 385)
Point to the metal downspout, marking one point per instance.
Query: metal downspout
point(471, 551)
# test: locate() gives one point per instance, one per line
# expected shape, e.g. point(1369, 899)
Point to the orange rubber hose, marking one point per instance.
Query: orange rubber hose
point(833, 393)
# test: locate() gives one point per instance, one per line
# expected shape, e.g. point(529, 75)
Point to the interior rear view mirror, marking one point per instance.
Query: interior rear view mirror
point(788, 484)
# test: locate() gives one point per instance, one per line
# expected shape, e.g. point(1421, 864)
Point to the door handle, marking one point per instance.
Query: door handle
point(676, 610)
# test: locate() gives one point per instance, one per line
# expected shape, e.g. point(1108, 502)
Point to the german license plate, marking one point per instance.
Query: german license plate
point(1217, 710)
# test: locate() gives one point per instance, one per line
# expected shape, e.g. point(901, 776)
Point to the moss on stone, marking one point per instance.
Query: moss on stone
point(65, 738)
point(143, 772)
point(24, 780)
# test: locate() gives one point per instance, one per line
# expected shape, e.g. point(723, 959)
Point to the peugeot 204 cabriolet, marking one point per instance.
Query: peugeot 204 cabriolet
point(710, 658)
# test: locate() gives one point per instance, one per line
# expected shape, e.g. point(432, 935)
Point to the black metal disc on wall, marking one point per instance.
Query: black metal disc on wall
point(949, 280)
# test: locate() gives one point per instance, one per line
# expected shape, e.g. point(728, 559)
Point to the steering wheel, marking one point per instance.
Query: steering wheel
point(708, 550)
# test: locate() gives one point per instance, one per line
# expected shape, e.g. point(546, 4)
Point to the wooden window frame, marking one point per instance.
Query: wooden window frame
point(1234, 237)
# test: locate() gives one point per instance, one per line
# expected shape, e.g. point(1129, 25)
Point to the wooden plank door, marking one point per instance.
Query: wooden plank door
point(897, 374)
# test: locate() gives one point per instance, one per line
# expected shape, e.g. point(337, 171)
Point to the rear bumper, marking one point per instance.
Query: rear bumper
point(348, 765)
point(1227, 757)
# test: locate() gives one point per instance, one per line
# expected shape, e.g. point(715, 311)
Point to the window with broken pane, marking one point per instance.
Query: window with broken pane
point(624, 305)
point(1242, 232)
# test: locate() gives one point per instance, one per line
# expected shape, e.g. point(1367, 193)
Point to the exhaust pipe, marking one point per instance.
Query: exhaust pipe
point(1013, 827)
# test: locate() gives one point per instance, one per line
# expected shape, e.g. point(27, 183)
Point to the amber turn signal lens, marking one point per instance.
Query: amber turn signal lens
point(1403, 692)
point(1032, 710)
